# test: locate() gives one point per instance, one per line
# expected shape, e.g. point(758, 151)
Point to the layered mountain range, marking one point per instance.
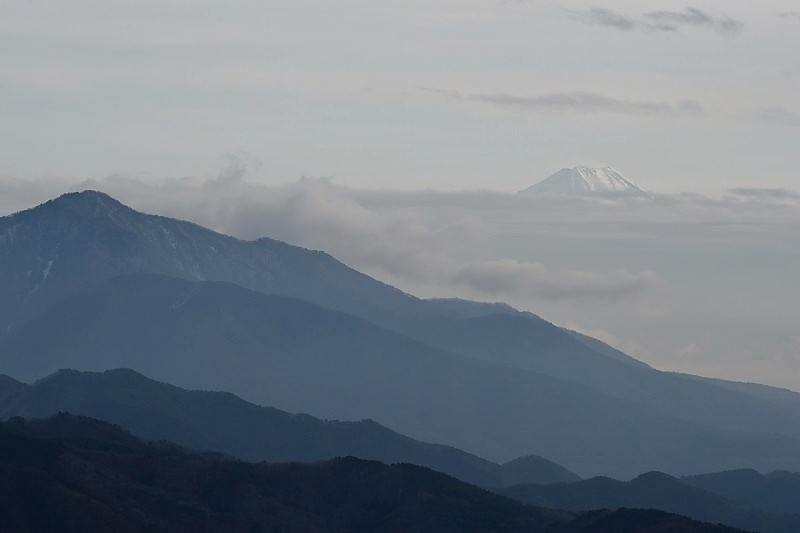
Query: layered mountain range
point(89, 284)
point(724, 497)
point(222, 422)
point(81, 474)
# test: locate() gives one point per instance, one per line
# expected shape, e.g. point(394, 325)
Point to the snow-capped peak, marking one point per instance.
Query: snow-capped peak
point(584, 180)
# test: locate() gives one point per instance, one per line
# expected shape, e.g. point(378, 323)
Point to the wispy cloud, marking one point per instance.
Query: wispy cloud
point(580, 101)
point(675, 20)
point(789, 15)
point(504, 277)
point(660, 21)
point(765, 194)
point(778, 115)
point(589, 103)
point(606, 17)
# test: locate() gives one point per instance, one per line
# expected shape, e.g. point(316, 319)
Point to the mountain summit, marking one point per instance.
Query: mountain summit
point(584, 180)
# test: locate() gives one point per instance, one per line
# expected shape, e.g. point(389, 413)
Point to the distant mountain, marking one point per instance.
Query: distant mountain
point(527, 342)
point(777, 492)
point(93, 476)
point(653, 490)
point(223, 422)
point(605, 349)
point(440, 371)
point(584, 180)
point(79, 239)
point(471, 309)
point(299, 357)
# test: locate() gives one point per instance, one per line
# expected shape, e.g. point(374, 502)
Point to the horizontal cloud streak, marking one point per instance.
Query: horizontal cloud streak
point(778, 115)
point(506, 277)
point(766, 194)
point(660, 21)
point(581, 101)
point(692, 17)
point(590, 103)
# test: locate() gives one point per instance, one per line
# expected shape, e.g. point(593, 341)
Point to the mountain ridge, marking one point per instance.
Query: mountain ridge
point(94, 476)
point(223, 422)
point(265, 307)
point(654, 490)
point(300, 357)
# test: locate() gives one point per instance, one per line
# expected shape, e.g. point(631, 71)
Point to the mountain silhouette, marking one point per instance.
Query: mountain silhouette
point(78, 239)
point(90, 284)
point(299, 357)
point(777, 492)
point(92, 476)
point(222, 422)
point(654, 490)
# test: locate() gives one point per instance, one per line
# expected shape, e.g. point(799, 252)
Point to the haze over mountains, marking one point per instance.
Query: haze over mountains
point(216, 421)
point(660, 491)
point(90, 284)
point(93, 476)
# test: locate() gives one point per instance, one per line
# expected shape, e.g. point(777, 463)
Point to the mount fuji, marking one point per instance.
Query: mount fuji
point(584, 180)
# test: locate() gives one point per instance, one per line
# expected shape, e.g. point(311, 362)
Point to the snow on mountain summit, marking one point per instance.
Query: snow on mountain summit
point(584, 180)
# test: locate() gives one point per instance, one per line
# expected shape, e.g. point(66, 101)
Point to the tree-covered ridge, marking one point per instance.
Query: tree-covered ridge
point(93, 476)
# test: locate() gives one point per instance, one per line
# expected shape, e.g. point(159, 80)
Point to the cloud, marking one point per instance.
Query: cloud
point(237, 166)
point(505, 277)
point(369, 231)
point(778, 115)
point(789, 15)
point(687, 350)
point(588, 102)
point(765, 194)
point(581, 101)
point(660, 21)
point(674, 20)
point(608, 18)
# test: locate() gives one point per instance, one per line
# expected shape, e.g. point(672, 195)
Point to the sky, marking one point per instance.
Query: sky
point(443, 94)
point(393, 134)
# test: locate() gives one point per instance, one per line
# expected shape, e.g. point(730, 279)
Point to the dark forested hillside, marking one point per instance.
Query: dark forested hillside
point(78, 473)
point(655, 490)
point(778, 492)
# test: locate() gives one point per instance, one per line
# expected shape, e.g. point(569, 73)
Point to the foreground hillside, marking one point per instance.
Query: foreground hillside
point(222, 422)
point(95, 477)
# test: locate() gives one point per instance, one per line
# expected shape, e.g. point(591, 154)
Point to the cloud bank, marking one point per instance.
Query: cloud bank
point(393, 244)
